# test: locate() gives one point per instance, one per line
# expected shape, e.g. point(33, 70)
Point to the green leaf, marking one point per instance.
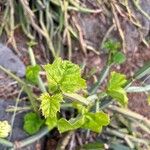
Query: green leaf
point(51, 122)
point(5, 129)
point(93, 146)
point(72, 124)
point(119, 58)
point(81, 109)
point(50, 105)
point(115, 88)
point(64, 76)
point(95, 121)
point(112, 46)
point(32, 123)
point(32, 73)
point(116, 80)
point(120, 95)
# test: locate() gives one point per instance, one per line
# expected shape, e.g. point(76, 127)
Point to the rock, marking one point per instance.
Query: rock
point(10, 61)
point(17, 133)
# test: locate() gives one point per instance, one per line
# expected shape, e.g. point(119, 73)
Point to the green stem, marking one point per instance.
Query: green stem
point(66, 105)
point(12, 75)
point(18, 109)
point(136, 89)
point(26, 88)
point(101, 78)
point(6, 143)
point(26, 142)
point(97, 106)
point(14, 113)
point(33, 138)
point(33, 62)
point(76, 97)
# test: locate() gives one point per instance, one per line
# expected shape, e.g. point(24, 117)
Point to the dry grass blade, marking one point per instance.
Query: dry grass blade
point(117, 22)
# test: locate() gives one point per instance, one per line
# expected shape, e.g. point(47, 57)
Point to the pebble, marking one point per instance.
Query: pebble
point(11, 61)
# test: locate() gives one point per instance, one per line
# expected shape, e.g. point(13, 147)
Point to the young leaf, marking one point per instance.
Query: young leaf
point(5, 129)
point(51, 122)
point(32, 123)
point(32, 73)
point(115, 88)
point(120, 95)
point(64, 76)
point(74, 123)
point(81, 109)
point(116, 80)
point(112, 46)
point(119, 58)
point(50, 105)
point(95, 121)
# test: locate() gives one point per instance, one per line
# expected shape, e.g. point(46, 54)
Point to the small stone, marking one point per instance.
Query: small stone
point(11, 62)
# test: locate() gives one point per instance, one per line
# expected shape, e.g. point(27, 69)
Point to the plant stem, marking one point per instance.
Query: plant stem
point(103, 74)
point(12, 75)
point(76, 97)
point(33, 62)
point(97, 106)
point(6, 143)
point(138, 89)
point(32, 139)
point(14, 113)
point(18, 109)
point(26, 142)
point(26, 88)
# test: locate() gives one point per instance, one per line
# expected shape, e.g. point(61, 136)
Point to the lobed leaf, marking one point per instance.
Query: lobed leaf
point(50, 105)
point(116, 80)
point(32, 73)
point(112, 46)
point(120, 95)
point(92, 121)
point(115, 88)
point(95, 121)
point(64, 76)
point(119, 58)
point(74, 123)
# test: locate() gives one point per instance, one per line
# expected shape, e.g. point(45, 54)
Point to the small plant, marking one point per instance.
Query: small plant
point(64, 80)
